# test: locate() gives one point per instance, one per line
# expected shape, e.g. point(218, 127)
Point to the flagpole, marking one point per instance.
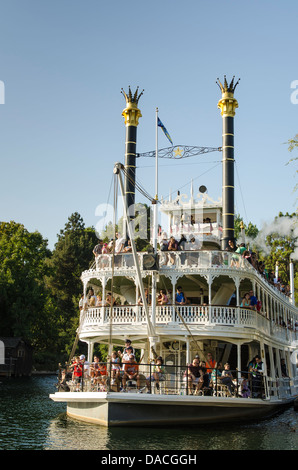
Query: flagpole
point(155, 225)
point(155, 221)
point(156, 158)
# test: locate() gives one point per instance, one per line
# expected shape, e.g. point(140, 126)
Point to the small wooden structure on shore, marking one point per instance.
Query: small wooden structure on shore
point(15, 357)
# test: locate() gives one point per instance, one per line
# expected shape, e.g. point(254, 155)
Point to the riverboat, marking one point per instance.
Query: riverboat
point(209, 321)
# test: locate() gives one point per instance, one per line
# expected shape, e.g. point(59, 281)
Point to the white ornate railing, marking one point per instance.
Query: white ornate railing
point(191, 315)
point(179, 259)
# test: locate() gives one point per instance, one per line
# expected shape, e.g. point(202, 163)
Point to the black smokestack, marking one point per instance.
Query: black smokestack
point(227, 105)
point(131, 116)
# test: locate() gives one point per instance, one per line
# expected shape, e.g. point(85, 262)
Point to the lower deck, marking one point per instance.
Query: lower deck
point(115, 409)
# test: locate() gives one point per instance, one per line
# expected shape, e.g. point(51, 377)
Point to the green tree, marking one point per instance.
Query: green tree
point(73, 253)
point(251, 231)
point(23, 295)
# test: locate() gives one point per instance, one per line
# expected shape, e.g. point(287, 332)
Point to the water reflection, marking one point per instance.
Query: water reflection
point(30, 420)
point(280, 433)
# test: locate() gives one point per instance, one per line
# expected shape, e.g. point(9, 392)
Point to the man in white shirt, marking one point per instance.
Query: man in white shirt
point(119, 245)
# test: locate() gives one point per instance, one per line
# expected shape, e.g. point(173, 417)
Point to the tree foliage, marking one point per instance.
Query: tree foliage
point(72, 254)
point(250, 230)
point(23, 266)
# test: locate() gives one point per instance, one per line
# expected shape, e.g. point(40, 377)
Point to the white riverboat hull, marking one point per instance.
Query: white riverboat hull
point(132, 409)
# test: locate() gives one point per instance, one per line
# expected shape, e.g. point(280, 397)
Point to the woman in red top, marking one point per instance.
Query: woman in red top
point(102, 374)
point(77, 367)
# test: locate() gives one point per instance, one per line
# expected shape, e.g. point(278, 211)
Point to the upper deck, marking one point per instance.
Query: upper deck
point(209, 279)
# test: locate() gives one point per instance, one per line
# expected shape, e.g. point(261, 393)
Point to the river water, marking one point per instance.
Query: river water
point(29, 420)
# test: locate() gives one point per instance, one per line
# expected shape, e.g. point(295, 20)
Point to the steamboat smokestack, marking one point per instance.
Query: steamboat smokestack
point(131, 116)
point(227, 105)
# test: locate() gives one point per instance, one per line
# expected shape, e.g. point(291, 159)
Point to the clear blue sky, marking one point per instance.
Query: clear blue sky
point(64, 62)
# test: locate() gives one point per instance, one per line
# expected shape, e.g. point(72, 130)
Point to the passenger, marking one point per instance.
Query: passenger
point(246, 255)
point(158, 374)
point(246, 301)
point(164, 242)
point(227, 378)
point(86, 366)
point(98, 249)
point(127, 351)
point(257, 377)
point(216, 374)
point(162, 298)
point(111, 245)
point(254, 260)
point(127, 248)
point(148, 298)
point(180, 298)
point(181, 243)
point(172, 246)
point(241, 249)
point(193, 375)
point(77, 368)
point(170, 296)
point(62, 384)
point(105, 249)
point(131, 372)
point(231, 246)
point(109, 301)
point(253, 300)
point(210, 363)
point(98, 300)
point(204, 380)
point(102, 374)
point(91, 296)
point(244, 388)
point(116, 367)
point(94, 368)
point(104, 258)
point(119, 244)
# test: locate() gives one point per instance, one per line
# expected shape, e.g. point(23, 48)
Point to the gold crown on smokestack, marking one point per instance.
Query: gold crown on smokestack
point(130, 98)
point(226, 88)
point(227, 103)
point(131, 113)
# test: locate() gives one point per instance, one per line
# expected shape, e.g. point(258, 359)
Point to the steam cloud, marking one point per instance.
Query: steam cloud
point(282, 226)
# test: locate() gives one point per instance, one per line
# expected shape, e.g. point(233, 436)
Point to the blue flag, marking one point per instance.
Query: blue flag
point(160, 124)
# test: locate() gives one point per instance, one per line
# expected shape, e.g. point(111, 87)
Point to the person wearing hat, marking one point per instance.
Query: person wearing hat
point(86, 366)
point(128, 349)
point(131, 372)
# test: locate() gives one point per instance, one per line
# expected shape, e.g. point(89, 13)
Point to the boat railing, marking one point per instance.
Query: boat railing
point(169, 259)
point(181, 260)
point(195, 315)
point(172, 380)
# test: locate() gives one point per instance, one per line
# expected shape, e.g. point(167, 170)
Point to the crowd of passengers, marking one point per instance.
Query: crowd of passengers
point(122, 246)
point(200, 377)
point(165, 297)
